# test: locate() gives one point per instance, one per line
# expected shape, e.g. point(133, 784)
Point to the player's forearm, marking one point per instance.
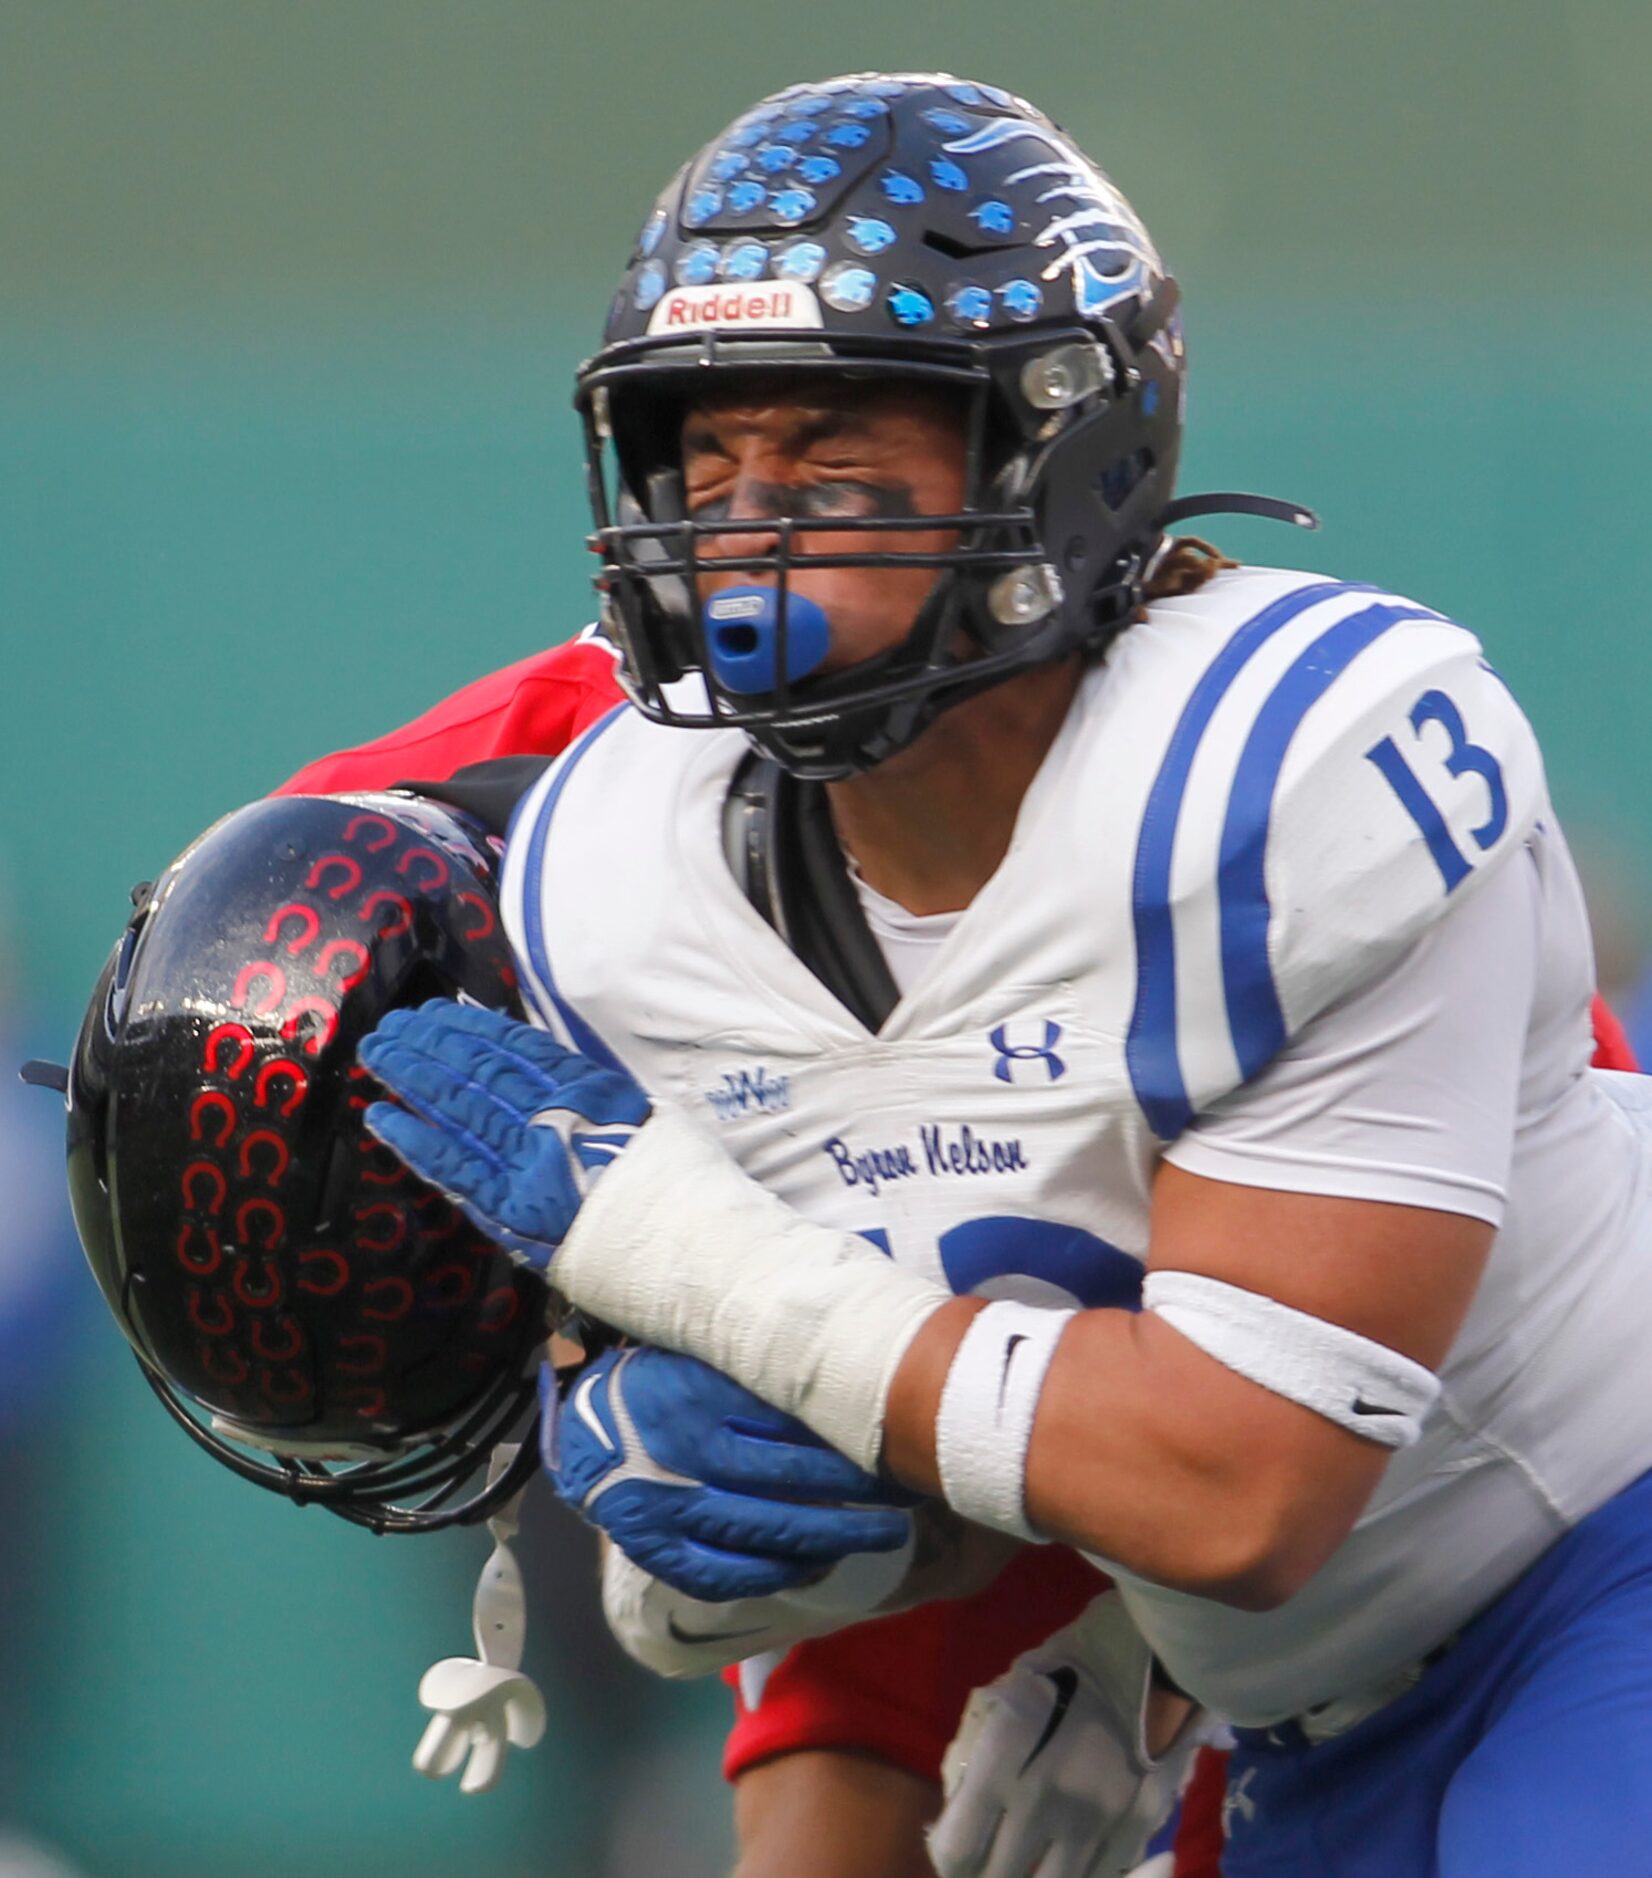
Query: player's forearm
point(1148, 1454)
point(833, 1813)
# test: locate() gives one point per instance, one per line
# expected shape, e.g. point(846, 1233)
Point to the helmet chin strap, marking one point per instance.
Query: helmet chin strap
point(481, 1705)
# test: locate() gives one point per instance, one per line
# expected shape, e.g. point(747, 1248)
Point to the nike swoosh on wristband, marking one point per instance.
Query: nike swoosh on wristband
point(1065, 1680)
point(680, 1635)
point(1010, 1349)
point(1359, 1406)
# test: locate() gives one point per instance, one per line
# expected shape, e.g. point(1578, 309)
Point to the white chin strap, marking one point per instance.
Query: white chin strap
point(482, 1705)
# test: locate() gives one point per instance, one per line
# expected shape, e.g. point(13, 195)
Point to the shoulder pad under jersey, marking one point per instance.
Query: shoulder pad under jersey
point(1331, 797)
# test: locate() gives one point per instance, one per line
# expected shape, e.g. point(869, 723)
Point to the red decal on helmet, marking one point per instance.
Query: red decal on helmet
point(280, 1155)
point(274, 1231)
point(485, 918)
point(223, 1033)
point(318, 1040)
point(223, 1321)
point(395, 1231)
point(448, 1286)
point(325, 1287)
point(379, 1168)
point(309, 924)
point(295, 1073)
point(372, 1401)
point(343, 948)
point(214, 1177)
point(228, 1366)
point(296, 1390)
point(400, 920)
point(212, 1099)
point(349, 872)
point(262, 1296)
point(203, 1265)
point(248, 975)
point(500, 1309)
point(377, 1354)
point(437, 873)
point(388, 1313)
point(288, 1350)
point(386, 831)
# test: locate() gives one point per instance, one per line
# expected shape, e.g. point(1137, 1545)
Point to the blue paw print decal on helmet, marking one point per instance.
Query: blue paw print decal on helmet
point(868, 234)
point(848, 136)
point(745, 196)
point(901, 188)
point(697, 264)
point(653, 232)
point(800, 260)
point(818, 169)
point(945, 174)
point(847, 288)
point(970, 305)
point(773, 159)
point(791, 206)
point(910, 306)
point(702, 206)
point(993, 217)
point(649, 285)
point(1021, 299)
point(744, 260)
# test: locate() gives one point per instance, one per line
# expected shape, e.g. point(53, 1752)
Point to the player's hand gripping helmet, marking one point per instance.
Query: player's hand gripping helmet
point(309, 1312)
point(912, 227)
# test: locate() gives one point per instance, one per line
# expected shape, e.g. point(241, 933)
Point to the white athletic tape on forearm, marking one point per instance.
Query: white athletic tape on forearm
point(678, 1247)
point(1360, 1385)
point(987, 1406)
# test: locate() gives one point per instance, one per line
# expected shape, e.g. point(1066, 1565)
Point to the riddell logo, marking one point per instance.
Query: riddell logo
point(773, 303)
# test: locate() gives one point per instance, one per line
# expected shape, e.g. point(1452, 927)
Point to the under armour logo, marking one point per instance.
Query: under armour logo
point(1012, 1053)
point(1237, 1802)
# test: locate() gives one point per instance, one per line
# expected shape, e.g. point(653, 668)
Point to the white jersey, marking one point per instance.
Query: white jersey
point(1255, 821)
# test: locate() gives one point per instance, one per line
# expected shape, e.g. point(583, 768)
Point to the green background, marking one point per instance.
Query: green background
point(290, 295)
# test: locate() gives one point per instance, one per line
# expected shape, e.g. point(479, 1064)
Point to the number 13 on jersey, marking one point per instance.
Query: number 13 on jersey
point(1460, 757)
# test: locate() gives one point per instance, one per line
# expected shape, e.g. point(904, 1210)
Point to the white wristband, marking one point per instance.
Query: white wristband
point(1363, 1386)
point(679, 1247)
point(988, 1403)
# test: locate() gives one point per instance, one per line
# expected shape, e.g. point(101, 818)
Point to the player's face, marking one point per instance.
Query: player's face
point(773, 450)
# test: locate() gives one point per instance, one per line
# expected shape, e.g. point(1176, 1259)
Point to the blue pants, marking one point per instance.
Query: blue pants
point(1525, 1751)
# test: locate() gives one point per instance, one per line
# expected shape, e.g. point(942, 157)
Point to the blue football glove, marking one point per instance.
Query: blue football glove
point(499, 1117)
point(701, 1483)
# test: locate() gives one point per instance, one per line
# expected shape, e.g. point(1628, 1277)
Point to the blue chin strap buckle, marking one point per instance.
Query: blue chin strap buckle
point(743, 638)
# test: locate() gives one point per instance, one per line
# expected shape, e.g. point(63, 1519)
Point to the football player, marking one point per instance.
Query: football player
point(1186, 959)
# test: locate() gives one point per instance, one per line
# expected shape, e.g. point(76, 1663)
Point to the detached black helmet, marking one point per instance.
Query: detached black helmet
point(310, 1313)
point(912, 227)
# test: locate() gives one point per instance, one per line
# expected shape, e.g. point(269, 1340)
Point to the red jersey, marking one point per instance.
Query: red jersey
point(894, 1686)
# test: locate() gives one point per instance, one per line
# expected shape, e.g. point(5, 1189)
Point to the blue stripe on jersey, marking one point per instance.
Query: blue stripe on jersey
point(1150, 1052)
point(1255, 1016)
point(584, 1038)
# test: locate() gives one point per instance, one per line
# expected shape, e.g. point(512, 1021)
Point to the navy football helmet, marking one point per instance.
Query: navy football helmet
point(310, 1313)
point(910, 227)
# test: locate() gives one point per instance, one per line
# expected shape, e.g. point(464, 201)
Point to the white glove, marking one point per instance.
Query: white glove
point(1049, 1772)
point(482, 1703)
